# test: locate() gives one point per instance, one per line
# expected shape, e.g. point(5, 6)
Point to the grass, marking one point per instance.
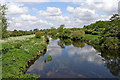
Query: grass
point(15, 39)
point(15, 56)
point(91, 37)
point(93, 40)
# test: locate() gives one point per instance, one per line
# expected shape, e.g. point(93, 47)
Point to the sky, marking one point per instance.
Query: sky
point(44, 14)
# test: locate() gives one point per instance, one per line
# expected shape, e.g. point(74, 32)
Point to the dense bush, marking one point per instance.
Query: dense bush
point(5, 35)
point(19, 33)
point(66, 33)
point(78, 35)
point(109, 32)
point(38, 34)
point(110, 43)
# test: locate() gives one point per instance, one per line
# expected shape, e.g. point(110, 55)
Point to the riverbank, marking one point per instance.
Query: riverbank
point(17, 54)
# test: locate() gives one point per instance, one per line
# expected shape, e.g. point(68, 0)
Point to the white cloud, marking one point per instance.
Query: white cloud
point(107, 6)
point(50, 11)
point(82, 16)
point(27, 22)
point(20, 19)
point(54, 15)
point(28, 17)
point(2, 2)
point(53, 49)
point(86, 53)
point(88, 12)
point(16, 9)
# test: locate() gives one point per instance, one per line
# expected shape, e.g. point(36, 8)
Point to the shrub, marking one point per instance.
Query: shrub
point(110, 43)
point(66, 33)
point(78, 35)
point(5, 35)
point(49, 58)
point(94, 33)
point(38, 34)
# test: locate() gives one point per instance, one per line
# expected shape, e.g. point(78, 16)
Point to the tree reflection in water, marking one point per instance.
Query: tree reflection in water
point(62, 64)
point(66, 42)
point(112, 61)
point(110, 57)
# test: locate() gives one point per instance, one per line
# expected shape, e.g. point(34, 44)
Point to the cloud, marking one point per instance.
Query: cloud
point(28, 17)
point(27, 22)
point(85, 13)
point(19, 18)
point(82, 16)
point(54, 15)
point(50, 11)
point(107, 6)
point(53, 49)
point(87, 53)
point(16, 9)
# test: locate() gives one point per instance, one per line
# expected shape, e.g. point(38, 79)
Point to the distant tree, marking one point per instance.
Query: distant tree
point(78, 35)
point(3, 21)
point(115, 16)
point(61, 27)
point(35, 30)
point(60, 30)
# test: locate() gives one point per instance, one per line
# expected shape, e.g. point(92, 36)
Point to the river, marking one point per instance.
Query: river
point(75, 60)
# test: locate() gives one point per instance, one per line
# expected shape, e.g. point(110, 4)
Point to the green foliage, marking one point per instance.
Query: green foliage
point(4, 23)
point(109, 32)
point(78, 44)
point(49, 58)
point(110, 43)
point(35, 30)
point(78, 35)
point(66, 33)
point(5, 34)
point(60, 30)
point(19, 33)
point(17, 55)
point(38, 34)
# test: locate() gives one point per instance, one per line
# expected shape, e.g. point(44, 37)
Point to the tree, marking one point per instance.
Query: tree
point(60, 30)
point(35, 30)
point(3, 21)
point(114, 17)
point(78, 35)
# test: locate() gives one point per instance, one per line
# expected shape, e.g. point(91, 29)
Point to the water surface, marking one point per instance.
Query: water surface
point(75, 60)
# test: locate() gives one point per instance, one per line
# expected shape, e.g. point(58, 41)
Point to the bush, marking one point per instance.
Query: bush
point(78, 35)
point(5, 35)
point(38, 34)
point(66, 33)
point(94, 33)
point(110, 43)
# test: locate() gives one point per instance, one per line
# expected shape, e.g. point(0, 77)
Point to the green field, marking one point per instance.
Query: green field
point(91, 37)
point(15, 56)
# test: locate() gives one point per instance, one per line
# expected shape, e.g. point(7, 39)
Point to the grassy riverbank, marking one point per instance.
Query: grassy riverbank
point(15, 55)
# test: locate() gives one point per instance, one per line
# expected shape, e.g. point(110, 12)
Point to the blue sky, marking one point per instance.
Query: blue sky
point(44, 5)
point(30, 14)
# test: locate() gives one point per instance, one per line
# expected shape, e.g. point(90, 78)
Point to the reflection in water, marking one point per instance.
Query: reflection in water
point(78, 44)
point(75, 59)
point(112, 61)
point(53, 49)
point(86, 53)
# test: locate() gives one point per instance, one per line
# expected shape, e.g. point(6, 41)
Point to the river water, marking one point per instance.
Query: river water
point(75, 60)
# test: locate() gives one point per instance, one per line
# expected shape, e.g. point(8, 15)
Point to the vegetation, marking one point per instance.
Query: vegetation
point(3, 23)
point(38, 34)
point(108, 31)
point(19, 33)
point(78, 35)
point(16, 55)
